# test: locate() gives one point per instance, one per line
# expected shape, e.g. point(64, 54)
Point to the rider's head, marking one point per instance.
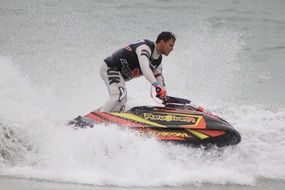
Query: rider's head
point(165, 42)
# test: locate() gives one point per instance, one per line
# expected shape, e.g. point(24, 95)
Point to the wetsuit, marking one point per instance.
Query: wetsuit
point(136, 59)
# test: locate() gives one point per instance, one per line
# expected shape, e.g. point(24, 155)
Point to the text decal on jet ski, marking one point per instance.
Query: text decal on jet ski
point(170, 134)
point(160, 117)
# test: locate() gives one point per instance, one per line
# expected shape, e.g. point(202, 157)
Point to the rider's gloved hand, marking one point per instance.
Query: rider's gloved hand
point(160, 91)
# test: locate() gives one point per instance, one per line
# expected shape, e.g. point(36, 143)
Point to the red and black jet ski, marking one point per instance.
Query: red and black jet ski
point(177, 121)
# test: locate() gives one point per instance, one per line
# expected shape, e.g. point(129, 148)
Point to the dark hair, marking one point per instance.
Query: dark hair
point(165, 36)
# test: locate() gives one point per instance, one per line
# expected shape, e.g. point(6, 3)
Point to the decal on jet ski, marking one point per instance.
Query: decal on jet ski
point(174, 117)
point(170, 134)
point(198, 134)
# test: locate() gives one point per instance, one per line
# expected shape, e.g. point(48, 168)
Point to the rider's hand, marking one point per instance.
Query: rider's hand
point(160, 91)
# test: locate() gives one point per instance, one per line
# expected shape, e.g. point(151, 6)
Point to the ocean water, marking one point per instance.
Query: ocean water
point(228, 57)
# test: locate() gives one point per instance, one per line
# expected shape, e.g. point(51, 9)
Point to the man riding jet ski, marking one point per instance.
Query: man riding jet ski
point(179, 120)
point(140, 58)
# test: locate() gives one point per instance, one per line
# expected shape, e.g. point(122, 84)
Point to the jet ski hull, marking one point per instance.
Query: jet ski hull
point(168, 124)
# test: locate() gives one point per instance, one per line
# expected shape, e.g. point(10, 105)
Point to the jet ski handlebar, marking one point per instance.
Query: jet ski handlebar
point(175, 100)
point(170, 101)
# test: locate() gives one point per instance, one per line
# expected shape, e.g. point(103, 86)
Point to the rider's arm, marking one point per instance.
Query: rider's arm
point(158, 75)
point(144, 54)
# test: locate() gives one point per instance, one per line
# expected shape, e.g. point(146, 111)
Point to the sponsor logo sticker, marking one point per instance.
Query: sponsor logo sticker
point(171, 117)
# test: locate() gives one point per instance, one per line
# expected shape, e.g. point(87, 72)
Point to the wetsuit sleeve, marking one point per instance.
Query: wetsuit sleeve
point(144, 53)
point(158, 75)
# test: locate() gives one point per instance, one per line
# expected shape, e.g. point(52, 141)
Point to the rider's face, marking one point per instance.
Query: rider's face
point(167, 47)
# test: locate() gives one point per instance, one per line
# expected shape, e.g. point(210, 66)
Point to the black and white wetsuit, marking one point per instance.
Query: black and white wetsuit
point(136, 59)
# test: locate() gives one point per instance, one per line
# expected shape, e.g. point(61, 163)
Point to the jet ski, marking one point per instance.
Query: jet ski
point(177, 121)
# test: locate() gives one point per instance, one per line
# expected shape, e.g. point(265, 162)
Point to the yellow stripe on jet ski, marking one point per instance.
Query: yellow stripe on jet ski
point(200, 135)
point(136, 118)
